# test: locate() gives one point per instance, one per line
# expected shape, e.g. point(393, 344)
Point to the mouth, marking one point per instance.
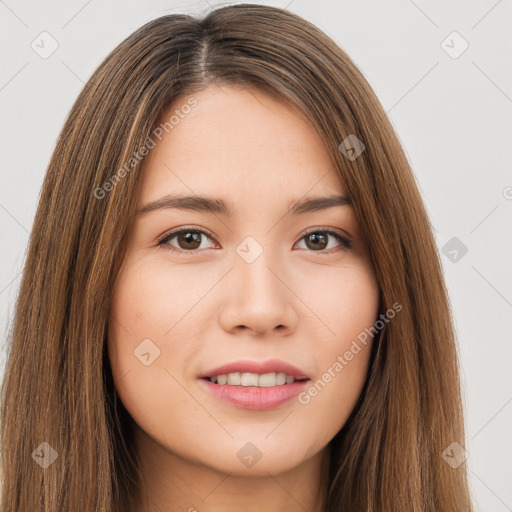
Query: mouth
point(255, 385)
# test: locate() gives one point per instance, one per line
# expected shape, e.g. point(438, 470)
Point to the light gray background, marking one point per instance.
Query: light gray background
point(453, 116)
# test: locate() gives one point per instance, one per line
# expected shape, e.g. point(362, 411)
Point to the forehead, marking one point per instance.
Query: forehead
point(238, 139)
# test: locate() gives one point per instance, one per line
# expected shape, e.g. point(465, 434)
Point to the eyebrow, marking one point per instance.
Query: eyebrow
point(220, 207)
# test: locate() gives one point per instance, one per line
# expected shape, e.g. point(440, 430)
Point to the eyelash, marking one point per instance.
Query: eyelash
point(162, 241)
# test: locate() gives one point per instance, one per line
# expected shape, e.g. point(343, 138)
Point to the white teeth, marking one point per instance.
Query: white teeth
point(267, 380)
point(253, 379)
point(280, 378)
point(249, 379)
point(234, 379)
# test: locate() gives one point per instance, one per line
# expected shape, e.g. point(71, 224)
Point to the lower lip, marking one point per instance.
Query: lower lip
point(253, 397)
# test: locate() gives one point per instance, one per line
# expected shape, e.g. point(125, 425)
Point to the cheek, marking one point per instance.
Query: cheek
point(137, 323)
point(149, 301)
point(150, 334)
point(143, 309)
point(350, 310)
point(346, 304)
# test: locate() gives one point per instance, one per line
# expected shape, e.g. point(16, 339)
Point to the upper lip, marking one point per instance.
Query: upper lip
point(260, 367)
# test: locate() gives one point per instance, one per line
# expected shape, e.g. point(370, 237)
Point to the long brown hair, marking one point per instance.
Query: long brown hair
point(58, 386)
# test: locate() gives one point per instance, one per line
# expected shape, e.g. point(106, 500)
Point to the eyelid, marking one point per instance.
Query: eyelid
point(342, 233)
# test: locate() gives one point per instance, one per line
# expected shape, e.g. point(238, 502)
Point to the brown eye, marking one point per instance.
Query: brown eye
point(318, 240)
point(187, 240)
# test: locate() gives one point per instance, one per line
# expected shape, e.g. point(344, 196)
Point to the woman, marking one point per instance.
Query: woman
point(232, 297)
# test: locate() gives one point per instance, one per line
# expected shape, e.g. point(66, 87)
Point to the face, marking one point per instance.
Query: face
point(243, 279)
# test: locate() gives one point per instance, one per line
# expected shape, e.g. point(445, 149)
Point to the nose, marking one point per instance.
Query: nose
point(259, 299)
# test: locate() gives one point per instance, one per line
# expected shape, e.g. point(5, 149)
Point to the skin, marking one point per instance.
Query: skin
point(298, 302)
